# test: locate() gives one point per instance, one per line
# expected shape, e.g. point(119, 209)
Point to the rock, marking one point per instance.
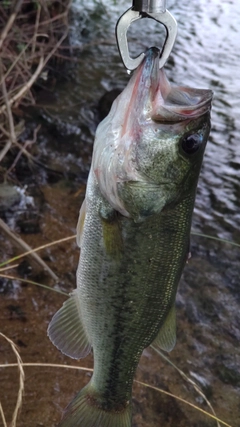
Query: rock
point(9, 196)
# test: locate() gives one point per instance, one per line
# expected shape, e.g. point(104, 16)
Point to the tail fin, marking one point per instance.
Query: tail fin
point(83, 411)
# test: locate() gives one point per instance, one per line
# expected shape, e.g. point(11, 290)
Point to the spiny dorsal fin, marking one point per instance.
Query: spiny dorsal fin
point(66, 329)
point(166, 338)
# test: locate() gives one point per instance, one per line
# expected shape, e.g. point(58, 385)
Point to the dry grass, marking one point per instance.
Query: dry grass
point(7, 265)
point(30, 252)
point(190, 381)
point(22, 365)
point(19, 242)
point(31, 33)
point(21, 384)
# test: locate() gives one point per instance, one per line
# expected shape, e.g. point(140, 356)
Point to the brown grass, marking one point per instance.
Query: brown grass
point(22, 365)
point(31, 34)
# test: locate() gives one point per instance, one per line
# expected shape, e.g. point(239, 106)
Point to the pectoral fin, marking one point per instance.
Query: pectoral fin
point(66, 329)
point(80, 223)
point(112, 238)
point(111, 229)
point(166, 338)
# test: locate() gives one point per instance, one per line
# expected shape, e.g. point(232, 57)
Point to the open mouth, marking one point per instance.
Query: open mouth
point(160, 100)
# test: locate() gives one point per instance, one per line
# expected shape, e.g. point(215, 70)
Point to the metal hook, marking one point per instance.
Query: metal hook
point(149, 6)
point(155, 9)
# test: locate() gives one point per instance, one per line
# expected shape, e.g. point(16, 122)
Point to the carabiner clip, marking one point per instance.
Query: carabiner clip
point(155, 9)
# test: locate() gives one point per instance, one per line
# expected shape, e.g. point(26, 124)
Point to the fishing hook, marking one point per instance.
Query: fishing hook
point(155, 9)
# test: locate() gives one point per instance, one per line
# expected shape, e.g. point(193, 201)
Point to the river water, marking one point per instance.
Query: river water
point(206, 55)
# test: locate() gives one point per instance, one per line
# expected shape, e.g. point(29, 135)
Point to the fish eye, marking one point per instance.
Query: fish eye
point(191, 144)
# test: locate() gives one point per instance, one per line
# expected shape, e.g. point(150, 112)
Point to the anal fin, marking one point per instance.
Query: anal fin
point(66, 329)
point(166, 338)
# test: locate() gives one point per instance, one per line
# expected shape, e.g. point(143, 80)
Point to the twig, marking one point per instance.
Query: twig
point(3, 416)
point(23, 150)
point(36, 28)
point(67, 58)
point(195, 233)
point(9, 111)
point(23, 245)
point(21, 379)
point(16, 78)
point(10, 267)
point(12, 135)
point(4, 131)
point(47, 245)
point(55, 18)
point(48, 365)
point(17, 59)
point(10, 22)
point(42, 62)
point(5, 149)
point(56, 47)
point(31, 282)
point(27, 86)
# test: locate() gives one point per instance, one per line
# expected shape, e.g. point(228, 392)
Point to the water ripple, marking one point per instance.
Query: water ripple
point(206, 55)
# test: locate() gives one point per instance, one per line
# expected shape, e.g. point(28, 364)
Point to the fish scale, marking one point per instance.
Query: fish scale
point(153, 238)
point(133, 230)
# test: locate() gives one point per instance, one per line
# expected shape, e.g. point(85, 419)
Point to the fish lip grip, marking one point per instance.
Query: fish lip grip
point(155, 9)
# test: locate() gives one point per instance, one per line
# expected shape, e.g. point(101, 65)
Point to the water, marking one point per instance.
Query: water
point(206, 55)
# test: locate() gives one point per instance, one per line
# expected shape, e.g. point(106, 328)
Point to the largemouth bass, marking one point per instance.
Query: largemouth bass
point(133, 230)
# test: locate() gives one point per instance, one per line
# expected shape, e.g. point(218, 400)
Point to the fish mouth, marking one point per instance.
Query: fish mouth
point(162, 102)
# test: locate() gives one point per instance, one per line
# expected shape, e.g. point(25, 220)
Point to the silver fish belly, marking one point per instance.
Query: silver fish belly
point(133, 231)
